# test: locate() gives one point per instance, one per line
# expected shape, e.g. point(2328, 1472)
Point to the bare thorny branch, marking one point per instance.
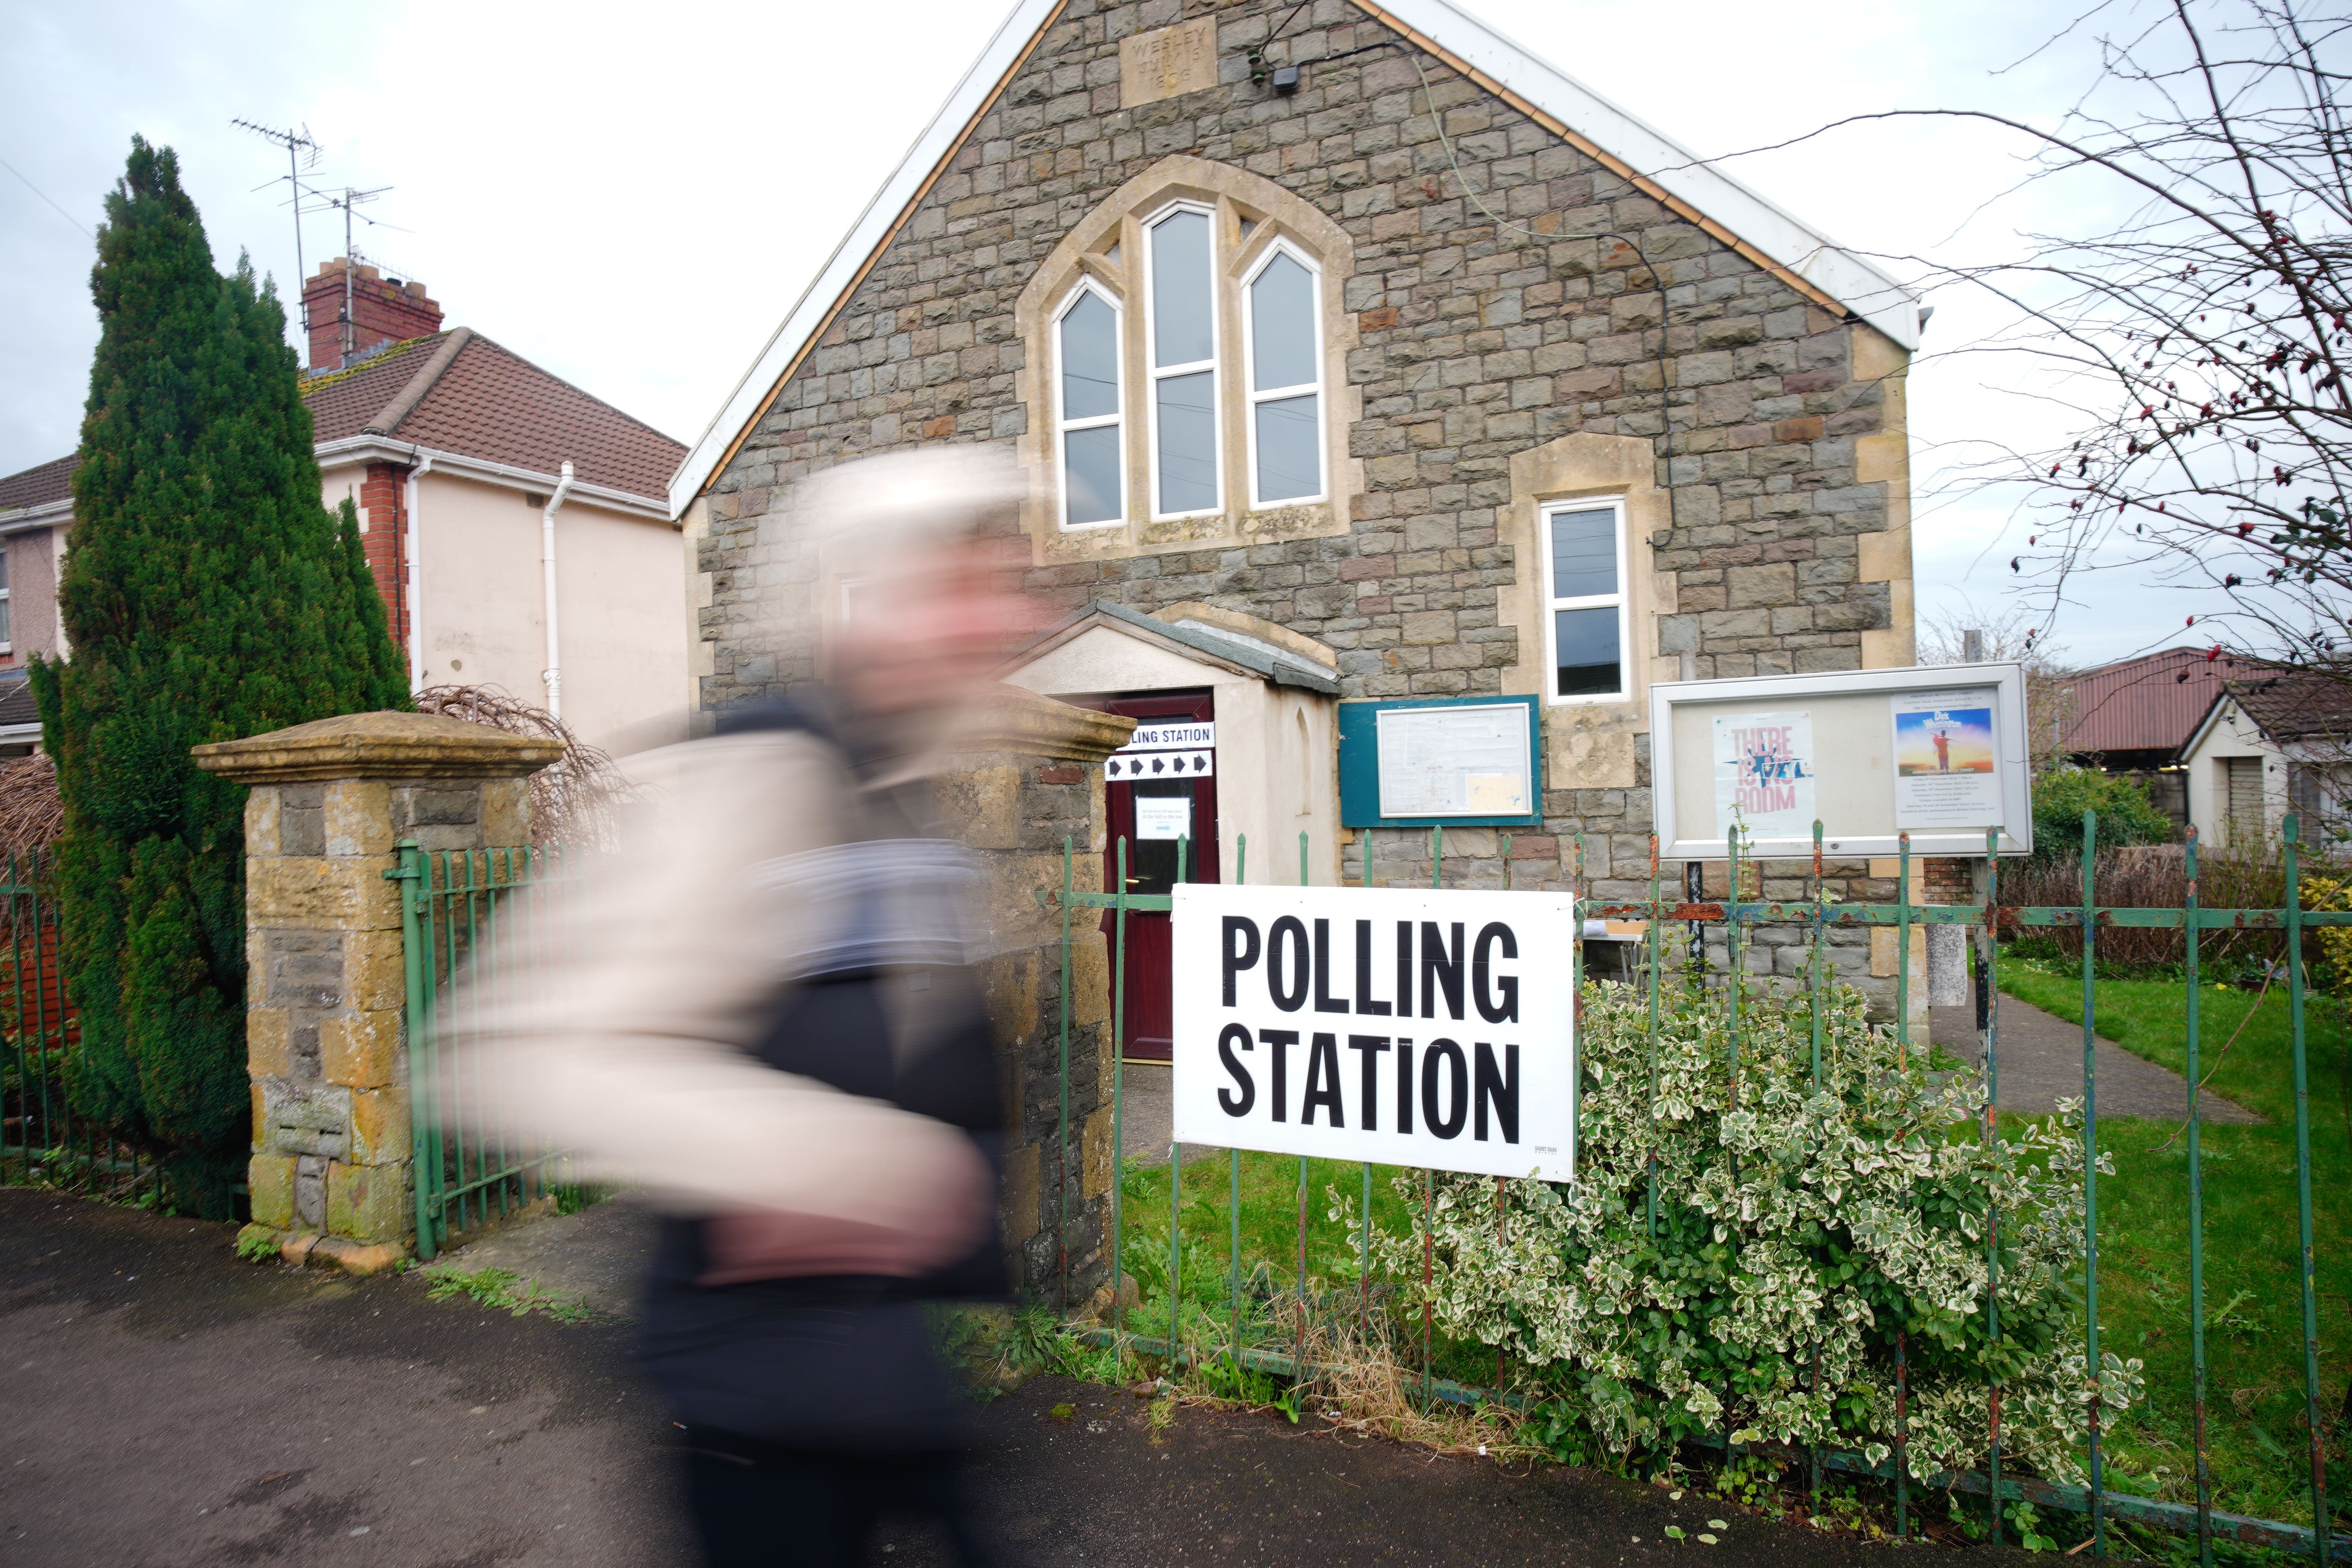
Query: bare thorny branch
point(2194, 354)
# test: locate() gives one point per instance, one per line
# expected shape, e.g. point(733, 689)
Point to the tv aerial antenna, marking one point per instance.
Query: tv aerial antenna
point(348, 201)
point(301, 157)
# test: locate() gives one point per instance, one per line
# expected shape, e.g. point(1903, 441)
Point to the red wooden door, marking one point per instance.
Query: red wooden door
point(1171, 807)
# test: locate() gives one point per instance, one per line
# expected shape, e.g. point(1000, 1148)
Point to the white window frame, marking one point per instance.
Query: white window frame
point(1063, 424)
point(1253, 395)
point(1154, 373)
point(7, 609)
point(1621, 601)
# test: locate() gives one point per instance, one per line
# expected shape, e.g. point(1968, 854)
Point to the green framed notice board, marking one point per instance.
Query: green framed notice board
point(1455, 761)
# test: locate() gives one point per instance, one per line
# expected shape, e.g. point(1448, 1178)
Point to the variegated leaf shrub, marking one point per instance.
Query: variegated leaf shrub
point(1796, 1228)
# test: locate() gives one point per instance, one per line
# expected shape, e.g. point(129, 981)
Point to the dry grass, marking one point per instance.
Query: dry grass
point(32, 813)
point(576, 801)
point(2156, 877)
point(1357, 1381)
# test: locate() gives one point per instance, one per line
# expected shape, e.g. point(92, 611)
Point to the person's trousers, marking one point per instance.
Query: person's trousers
point(757, 1505)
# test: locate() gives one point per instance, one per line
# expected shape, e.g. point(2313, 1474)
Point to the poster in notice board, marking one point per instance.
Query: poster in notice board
point(1947, 759)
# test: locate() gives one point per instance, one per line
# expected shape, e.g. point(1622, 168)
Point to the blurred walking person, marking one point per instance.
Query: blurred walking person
point(759, 1013)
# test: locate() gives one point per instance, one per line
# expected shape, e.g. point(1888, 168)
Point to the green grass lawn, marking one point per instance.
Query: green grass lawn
point(1270, 1230)
point(2255, 1426)
point(2256, 1433)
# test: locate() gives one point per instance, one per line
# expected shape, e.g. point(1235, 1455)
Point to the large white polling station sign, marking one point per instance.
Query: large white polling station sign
point(1433, 1028)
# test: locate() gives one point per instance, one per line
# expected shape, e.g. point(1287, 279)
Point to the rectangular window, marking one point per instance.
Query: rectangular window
point(4, 594)
point(1286, 383)
point(1183, 364)
point(1094, 462)
point(1584, 578)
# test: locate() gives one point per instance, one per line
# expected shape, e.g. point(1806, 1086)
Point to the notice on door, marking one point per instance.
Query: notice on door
point(1403, 1026)
point(1163, 816)
point(1455, 761)
point(1947, 760)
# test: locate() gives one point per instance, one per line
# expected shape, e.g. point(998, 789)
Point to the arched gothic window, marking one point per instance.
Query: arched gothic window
point(1189, 362)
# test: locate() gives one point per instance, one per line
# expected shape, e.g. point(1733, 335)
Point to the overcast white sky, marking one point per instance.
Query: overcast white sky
point(632, 195)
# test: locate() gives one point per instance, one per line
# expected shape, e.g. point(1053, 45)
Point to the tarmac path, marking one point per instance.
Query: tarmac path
point(170, 1405)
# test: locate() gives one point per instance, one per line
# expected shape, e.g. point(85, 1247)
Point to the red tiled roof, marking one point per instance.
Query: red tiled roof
point(497, 406)
point(2298, 705)
point(342, 402)
point(53, 481)
point(2152, 703)
point(486, 402)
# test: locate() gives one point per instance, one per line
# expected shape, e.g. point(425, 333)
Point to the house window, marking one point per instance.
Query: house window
point(5, 639)
point(1584, 572)
point(1183, 362)
point(1286, 359)
point(1085, 339)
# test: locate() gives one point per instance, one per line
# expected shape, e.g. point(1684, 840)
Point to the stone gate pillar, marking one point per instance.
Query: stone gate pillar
point(324, 978)
point(1028, 774)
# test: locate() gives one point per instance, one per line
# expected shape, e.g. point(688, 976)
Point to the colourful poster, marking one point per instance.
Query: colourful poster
point(1764, 774)
point(1947, 760)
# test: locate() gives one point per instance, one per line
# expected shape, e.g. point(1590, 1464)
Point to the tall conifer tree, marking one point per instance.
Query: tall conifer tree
point(207, 595)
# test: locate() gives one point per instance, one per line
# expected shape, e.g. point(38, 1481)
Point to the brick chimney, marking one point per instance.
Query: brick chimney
point(383, 310)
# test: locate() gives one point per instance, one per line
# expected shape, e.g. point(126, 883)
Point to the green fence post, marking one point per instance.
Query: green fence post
point(1299, 1356)
point(1062, 1145)
point(1176, 1167)
point(1735, 968)
point(2197, 1231)
point(1364, 1217)
point(2091, 1164)
point(2320, 1523)
point(1117, 1108)
point(1989, 1131)
point(424, 1119)
point(1820, 914)
point(1581, 893)
point(1813, 1388)
point(1902, 953)
point(1241, 875)
point(1655, 938)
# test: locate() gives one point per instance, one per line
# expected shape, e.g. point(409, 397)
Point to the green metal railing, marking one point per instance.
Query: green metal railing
point(1735, 916)
point(43, 1140)
point(461, 914)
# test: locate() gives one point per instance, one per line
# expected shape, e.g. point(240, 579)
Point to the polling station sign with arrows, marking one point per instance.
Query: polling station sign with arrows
point(1408, 1027)
point(1166, 749)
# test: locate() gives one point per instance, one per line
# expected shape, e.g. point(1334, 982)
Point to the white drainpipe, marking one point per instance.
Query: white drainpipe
point(554, 671)
point(410, 574)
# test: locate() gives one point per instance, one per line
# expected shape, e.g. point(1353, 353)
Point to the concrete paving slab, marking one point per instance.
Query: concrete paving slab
point(596, 1255)
point(2042, 1062)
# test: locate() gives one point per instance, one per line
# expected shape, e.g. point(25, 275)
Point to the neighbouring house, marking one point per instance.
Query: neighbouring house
point(2268, 745)
point(1358, 356)
point(2181, 720)
point(518, 528)
point(2139, 717)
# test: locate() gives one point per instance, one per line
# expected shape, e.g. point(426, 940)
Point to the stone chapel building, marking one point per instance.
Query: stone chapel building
point(1358, 354)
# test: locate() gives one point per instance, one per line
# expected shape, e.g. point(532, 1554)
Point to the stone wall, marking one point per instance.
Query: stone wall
point(1030, 780)
point(1509, 290)
point(1506, 291)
